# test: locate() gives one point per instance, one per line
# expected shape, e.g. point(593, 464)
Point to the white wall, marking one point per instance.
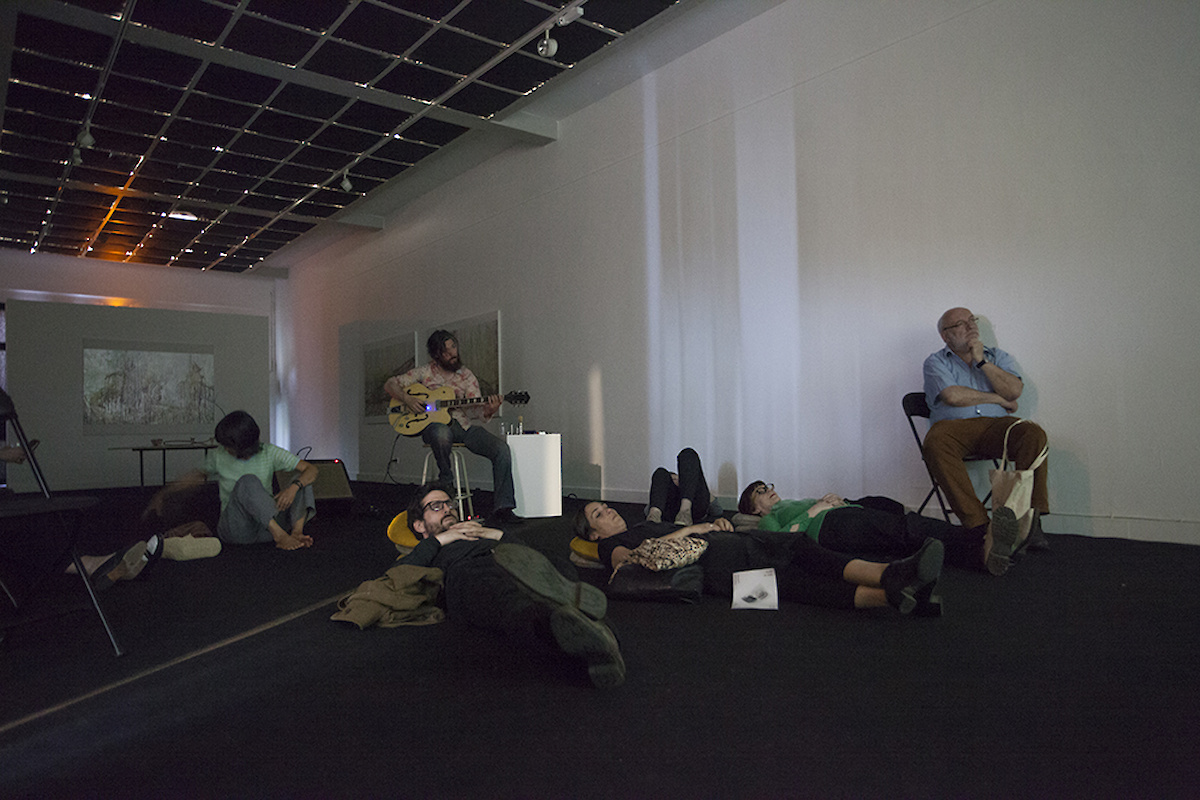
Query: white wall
point(56, 303)
point(747, 252)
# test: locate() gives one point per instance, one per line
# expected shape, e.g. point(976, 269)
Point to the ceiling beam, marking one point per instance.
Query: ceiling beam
point(526, 130)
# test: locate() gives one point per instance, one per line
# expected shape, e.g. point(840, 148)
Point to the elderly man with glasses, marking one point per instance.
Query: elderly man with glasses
point(972, 391)
point(512, 589)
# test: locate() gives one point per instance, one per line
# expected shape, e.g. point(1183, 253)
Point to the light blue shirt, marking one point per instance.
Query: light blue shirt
point(944, 368)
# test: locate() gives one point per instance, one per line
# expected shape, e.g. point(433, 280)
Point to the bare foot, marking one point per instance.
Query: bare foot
point(289, 542)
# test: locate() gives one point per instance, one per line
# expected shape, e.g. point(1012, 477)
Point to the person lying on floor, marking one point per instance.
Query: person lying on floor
point(104, 570)
point(244, 468)
point(877, 525)
point(805, 571)
point(510, 588)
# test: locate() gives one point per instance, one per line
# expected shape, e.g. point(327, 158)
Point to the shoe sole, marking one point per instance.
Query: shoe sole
point(131, 563)
point(539, 577)
point(929, 569)
point(1004, 540)
point(577, 635)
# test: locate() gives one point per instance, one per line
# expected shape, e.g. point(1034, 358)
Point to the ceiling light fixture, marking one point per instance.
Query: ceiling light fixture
point(85, 138)
point(76, 157)
point(347, 186)
point(570, 15)
point(547, 47)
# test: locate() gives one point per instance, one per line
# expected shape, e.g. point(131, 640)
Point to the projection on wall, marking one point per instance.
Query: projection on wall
point(137, 386)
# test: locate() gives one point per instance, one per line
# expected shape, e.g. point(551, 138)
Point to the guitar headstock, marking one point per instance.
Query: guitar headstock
point(517, 398)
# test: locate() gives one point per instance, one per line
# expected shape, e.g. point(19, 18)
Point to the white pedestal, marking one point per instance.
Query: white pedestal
point(537, 473)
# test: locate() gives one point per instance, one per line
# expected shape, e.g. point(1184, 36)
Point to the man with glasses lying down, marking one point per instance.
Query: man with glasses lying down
point(511, 588)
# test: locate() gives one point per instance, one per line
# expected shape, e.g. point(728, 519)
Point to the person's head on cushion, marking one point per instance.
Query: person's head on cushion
point(758, 498)
point(596, 521)
point(430, 512)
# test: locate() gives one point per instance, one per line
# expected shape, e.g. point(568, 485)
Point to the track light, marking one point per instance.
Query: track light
point(569, 16)
point(76, 157)
point(547, 47)
point(85, 138)
point(347, 186)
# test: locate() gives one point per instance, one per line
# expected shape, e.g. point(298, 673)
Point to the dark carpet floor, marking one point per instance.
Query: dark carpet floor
point(1076, 675)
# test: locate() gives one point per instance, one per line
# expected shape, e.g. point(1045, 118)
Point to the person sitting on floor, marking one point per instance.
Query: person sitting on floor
point(15, 454)
point(877, 525)
point(510, 588)
point(805, 571)
point(245, 468)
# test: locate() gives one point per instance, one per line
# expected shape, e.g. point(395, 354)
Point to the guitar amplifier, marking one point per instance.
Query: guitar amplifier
point(332, 481)
point(332, 486)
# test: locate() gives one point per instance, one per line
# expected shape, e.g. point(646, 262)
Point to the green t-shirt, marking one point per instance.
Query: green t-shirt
point(262, 465)
point(787, 513)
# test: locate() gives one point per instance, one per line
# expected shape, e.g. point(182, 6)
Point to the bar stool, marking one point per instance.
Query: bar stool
point(462, 486)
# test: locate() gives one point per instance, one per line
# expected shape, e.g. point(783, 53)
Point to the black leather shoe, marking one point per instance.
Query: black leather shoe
point(905, 579)
point(504, 516)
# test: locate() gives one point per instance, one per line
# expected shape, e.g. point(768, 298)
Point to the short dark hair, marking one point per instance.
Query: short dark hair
point(437, 341)
point(746, 501)
point(416, 506)
point(239, 432)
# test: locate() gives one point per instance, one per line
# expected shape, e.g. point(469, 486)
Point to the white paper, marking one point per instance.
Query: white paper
point(755, 588)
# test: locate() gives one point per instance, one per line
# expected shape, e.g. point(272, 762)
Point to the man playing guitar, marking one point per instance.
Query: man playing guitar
point(446, 369)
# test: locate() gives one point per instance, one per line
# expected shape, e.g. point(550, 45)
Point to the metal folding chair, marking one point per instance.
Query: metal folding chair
point(65, 511)
point(915, 406)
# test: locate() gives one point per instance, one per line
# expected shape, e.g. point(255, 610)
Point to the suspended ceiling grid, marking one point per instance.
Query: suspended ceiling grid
point(207, 134)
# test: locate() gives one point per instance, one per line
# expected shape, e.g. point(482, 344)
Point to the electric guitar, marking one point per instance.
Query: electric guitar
point(437, 404)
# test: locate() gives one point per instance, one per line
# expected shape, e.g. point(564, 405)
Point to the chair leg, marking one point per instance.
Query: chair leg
point(11, 599)
point(425, 468)
point(465, 488)
point(87, 584)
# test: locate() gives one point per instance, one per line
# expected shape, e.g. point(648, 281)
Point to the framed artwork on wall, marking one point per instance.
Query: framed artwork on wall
point(382, 360)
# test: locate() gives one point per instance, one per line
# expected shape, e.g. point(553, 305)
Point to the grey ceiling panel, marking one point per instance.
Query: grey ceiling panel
point(252, 115)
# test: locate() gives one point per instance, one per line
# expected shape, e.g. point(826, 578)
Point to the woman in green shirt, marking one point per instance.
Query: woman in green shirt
point(871, 525)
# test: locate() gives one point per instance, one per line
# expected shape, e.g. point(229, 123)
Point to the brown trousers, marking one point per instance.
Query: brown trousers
point(951, 440)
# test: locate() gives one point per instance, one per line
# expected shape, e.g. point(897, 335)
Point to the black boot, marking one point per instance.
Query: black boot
point(903, 580)
point(929, 604)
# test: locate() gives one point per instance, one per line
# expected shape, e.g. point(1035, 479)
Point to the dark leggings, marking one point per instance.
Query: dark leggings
point(665, 495)
point(882, 527)
point(805, 572)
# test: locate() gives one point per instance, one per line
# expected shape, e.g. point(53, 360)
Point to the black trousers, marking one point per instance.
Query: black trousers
point(665, 495)
point(883, 528)
point(805, 572)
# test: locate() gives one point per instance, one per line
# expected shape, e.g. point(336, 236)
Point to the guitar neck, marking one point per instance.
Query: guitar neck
point(463, 401)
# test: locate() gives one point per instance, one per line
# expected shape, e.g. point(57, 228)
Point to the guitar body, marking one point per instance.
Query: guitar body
point(437, 404)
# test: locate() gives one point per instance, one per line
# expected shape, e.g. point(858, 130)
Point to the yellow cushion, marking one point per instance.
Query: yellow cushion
point(399, 532)
point(585, 549)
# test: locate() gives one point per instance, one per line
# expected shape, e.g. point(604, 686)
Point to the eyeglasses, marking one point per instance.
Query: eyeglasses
point(763, 488)
point(972, 321)
point(437, 505)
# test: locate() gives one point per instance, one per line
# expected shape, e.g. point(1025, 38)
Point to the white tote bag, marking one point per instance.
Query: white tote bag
point(1013, 488)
